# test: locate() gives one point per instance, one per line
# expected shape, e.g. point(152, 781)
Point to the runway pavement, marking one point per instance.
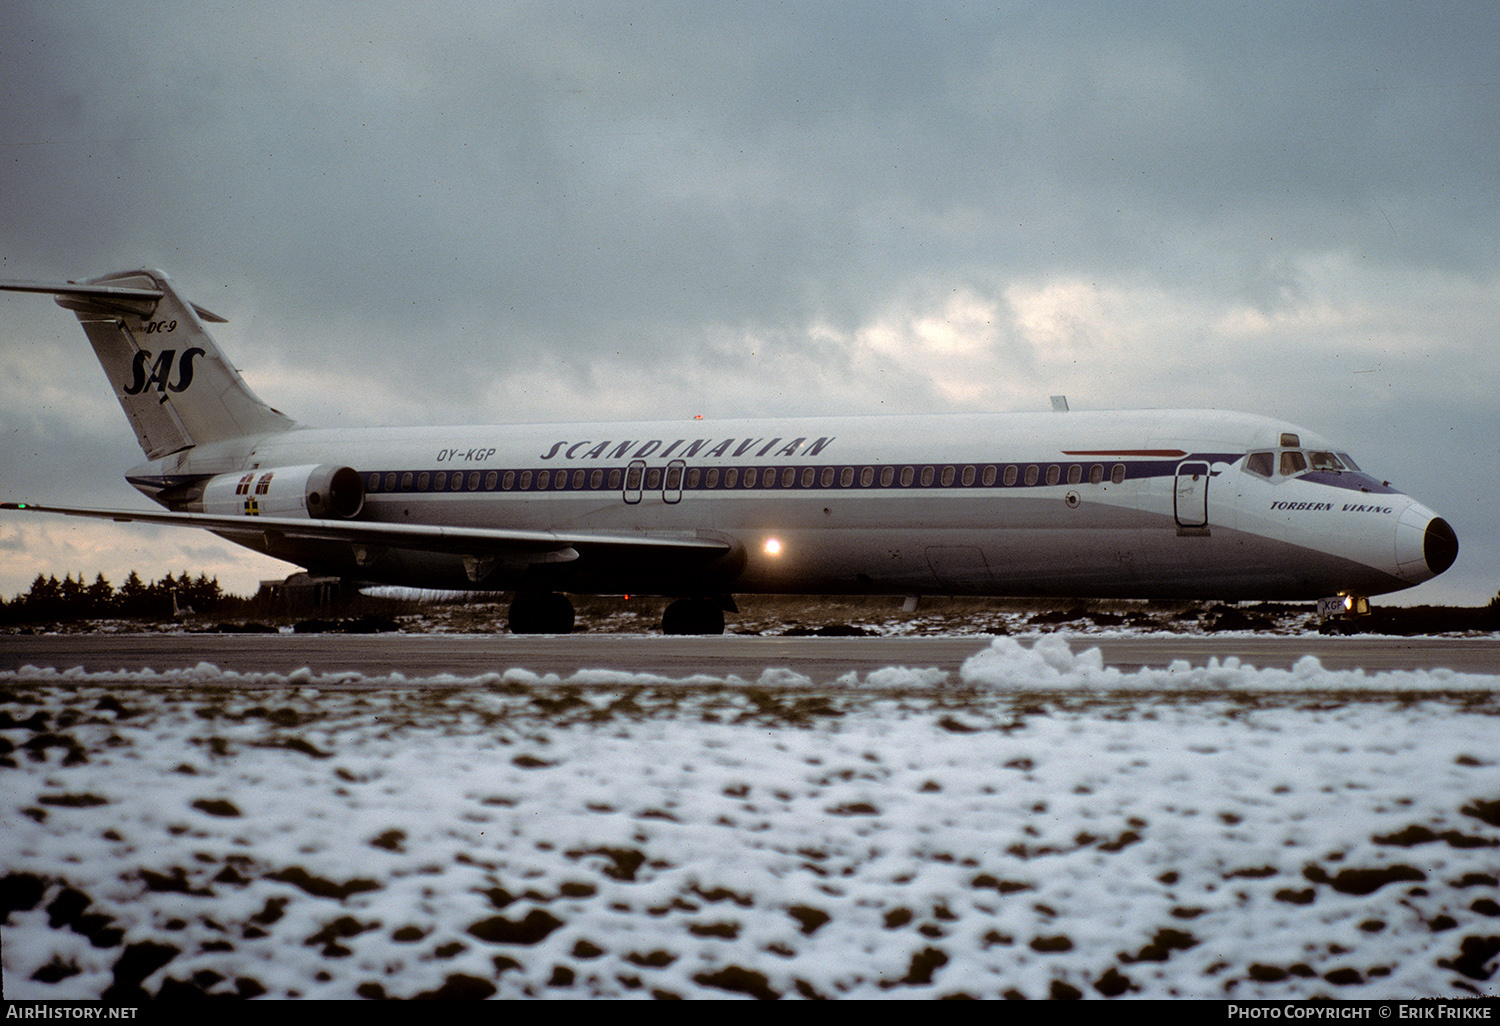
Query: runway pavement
point(820, 659)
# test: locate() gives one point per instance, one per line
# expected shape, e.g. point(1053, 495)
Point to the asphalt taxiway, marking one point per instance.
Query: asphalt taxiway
point(820, 659)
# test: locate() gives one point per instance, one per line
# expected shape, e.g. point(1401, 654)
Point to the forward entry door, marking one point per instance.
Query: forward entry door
point(1190, 496)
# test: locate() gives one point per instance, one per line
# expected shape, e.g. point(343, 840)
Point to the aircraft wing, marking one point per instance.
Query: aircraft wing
point(540, 546)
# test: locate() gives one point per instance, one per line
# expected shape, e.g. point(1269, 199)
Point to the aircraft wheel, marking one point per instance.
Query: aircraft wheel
point(693, 616)
point(544, 613)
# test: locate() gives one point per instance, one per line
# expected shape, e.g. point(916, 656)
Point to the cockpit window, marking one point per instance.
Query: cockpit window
point(1292, 462)
point(1262, 463)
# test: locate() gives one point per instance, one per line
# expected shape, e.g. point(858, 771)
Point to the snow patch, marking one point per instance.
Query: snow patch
point(1039, 826)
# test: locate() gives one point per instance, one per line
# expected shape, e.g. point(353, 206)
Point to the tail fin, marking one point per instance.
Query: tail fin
point(170, 377)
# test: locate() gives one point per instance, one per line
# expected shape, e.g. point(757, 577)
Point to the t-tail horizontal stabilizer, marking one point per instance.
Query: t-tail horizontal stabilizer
point(137, 301)
point(170, 378)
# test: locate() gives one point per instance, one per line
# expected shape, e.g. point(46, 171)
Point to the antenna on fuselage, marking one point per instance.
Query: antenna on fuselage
point(1059, 404)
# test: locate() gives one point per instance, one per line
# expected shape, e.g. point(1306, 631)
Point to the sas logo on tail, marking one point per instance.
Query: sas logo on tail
point(161, 371)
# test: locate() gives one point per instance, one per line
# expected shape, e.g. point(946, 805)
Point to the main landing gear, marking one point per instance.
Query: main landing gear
point(541, 612)
point(693, 616)
point(547, 612)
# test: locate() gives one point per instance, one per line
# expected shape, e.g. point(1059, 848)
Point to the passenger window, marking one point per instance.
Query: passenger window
point(788, 477)
point(927, 473)
point(373, 485)
point(490, 479)
point(826, 478)
point(614, 480)
point(440, 482)
point(908, 474)
point(887, 475)
point(653, 479)
point(596, 479)
point(968, 476)
point(809, 475)
point(474, 481)
point(543, 480)
point(713, 478)
point(1292, 462)
point(1054, 474)
point(390, 482)
point(867, 477)
point(692, 478)
point(731, 477)
point(1262, 463)
point(1117, 475)
point(1010, 476)
point(947, 476)
point(989, 476)
point(1031, 475)
point(422, 480)
point(508, 481)
point(1075, 474)
point(846, 477)
point(1096, 474)
point(768, 477)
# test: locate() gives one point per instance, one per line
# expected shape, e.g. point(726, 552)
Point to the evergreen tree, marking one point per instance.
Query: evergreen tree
point(72, 599)
point(45, 597)
point(133, 595)
point(71, 596)
point(43, 590)
point(206, 593)
point(100, 597)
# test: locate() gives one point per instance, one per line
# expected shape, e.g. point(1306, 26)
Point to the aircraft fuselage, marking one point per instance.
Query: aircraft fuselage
point(1085, 504)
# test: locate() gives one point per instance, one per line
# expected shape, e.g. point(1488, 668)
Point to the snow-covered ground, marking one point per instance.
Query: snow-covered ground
point(1043, 827)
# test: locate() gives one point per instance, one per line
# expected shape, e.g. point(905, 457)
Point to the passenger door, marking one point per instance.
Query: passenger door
point(1190, 498)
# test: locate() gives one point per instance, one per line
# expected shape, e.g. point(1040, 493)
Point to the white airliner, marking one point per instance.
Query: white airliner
point(1129, 504)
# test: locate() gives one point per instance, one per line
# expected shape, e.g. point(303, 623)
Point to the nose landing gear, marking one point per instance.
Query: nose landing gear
point(1341, 613)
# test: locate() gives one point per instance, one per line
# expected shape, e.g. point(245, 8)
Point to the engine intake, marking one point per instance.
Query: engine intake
point(320, 492)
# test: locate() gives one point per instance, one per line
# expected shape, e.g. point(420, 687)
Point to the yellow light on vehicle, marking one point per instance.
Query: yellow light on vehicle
point(773, 547)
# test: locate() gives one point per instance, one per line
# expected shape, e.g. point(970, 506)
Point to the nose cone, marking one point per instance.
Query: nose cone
point(1439, 545)
point(1425, 544)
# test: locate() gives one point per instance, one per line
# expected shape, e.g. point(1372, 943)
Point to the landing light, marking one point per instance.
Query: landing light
point(773, 547)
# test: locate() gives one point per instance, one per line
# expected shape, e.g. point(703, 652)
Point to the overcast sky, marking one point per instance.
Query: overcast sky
point(470, 213)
